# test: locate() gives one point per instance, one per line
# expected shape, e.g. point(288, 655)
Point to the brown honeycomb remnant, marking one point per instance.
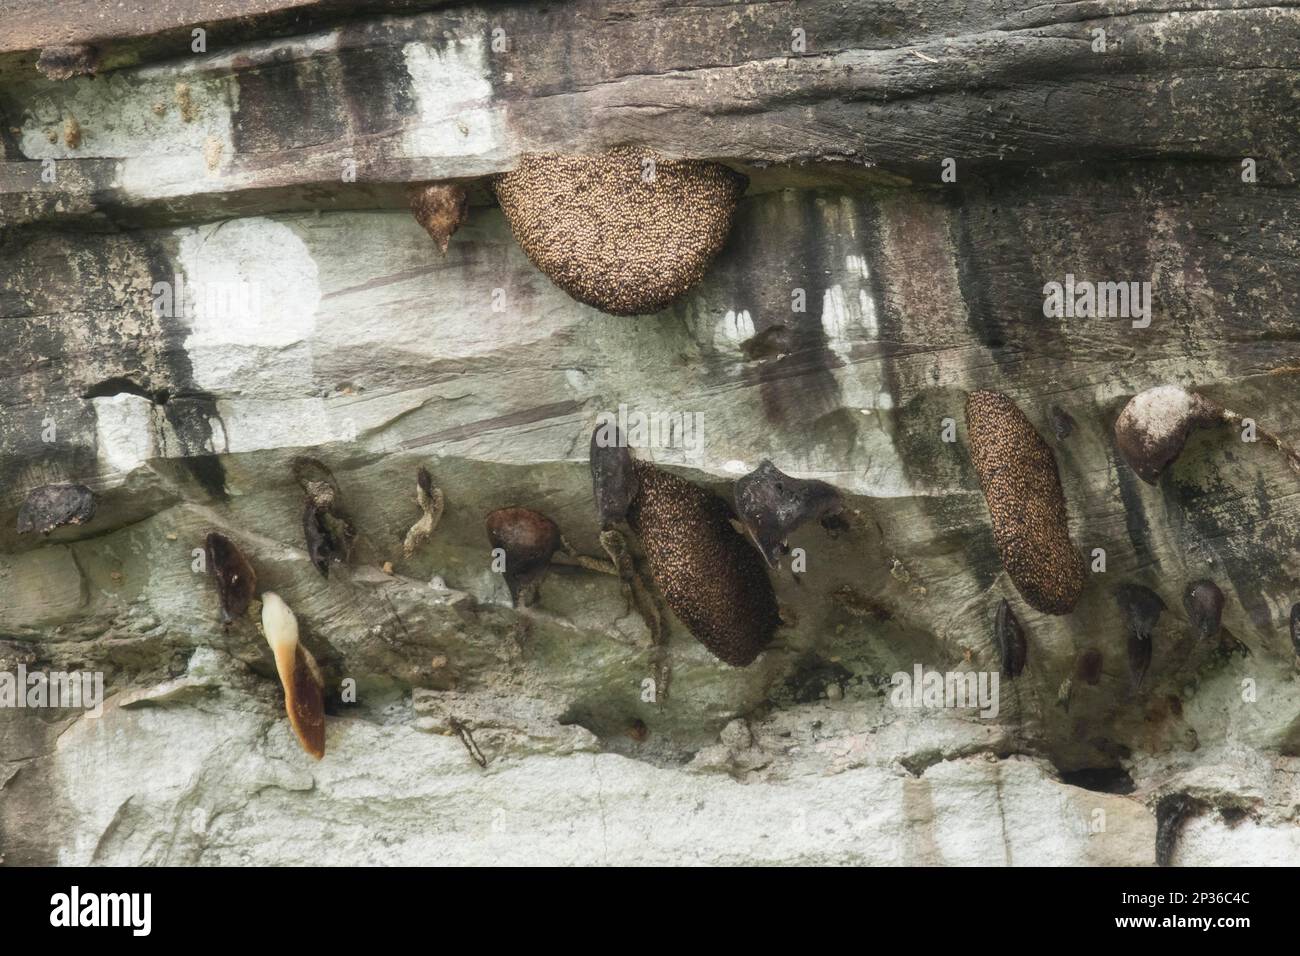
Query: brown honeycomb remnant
point(711, 577)
point(71, 133)
point(1141, 609)
point(441, 209)
point(773, 505)
point(1023, 491)
point(626, 231)
point(327, 528)
point(431, 501)
point(65, 62)
point(236, 579)
point(1203, 600)
point(529, 539)
point(613, 479)
point(185, 102)
point(1295, 629)
point(52, 506)
point(1088, 667)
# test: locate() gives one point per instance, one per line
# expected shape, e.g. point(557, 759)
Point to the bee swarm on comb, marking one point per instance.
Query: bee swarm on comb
point(626, 231)
point(1026, 503)
point(710, 575)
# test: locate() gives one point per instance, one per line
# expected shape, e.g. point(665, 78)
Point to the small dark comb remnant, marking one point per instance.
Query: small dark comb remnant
point(1088, 667)
point(441, 209)
point(52, 506)
point(1203, 602)
point(773, 341)
point(1026, 503)
point(1141, 608)
point(1139, 658)
point(1062, 423)
point(626, 231)
point(326, 526)
point(529, 539)
point(1171, 813)
point(320, 547)
point(236, 579)
point(65, 62)
point(707, 572)
point(1012, 646)
point(431, 502)
point(613, 479)
point(772, 505)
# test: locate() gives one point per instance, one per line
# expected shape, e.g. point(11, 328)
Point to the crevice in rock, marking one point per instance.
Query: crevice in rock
point(1171, 813)
point(1100, 779)
point(121, 385)
point(813, 678)
point(918, 763)
point(633, 733)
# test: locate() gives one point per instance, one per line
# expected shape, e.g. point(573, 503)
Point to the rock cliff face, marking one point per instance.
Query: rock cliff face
point(209, 269)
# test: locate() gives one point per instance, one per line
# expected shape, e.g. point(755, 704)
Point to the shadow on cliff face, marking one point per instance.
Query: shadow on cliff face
point(89, 301)
point(1218, 497)
point(786, 305)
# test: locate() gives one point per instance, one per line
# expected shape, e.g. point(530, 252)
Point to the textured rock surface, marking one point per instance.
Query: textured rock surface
point(359, 344)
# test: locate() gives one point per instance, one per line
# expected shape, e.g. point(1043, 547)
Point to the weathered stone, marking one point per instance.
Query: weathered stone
point(463, 730)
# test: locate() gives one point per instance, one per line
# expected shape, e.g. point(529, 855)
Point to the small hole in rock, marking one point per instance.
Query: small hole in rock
point(1100, 779)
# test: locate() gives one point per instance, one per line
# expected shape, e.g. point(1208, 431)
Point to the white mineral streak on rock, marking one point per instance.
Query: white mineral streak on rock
point(453, 96)
point(736, 326)
point(849, 319)
point(142, 117)
point(858, 266)
point(538, 808)
point(837, 323)
point(124, 431)
point(1207, 841)
point(251, 293)
point(255, 425)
